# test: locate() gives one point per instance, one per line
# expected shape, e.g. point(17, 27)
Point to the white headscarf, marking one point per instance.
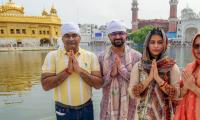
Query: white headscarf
point(68, 28)
point(115, 25)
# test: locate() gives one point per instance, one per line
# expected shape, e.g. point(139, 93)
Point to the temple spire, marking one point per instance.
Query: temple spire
point(134, 15)
point(173, 15)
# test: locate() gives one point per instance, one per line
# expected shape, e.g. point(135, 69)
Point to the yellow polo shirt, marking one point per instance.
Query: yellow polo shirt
point(74, 91)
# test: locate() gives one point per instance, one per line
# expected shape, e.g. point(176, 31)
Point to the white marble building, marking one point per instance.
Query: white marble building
point(88, 32)
point(188, 25)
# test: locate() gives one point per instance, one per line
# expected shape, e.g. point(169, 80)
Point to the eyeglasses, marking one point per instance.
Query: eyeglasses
point(196, 46)
point(70, 35)
point(120, 33)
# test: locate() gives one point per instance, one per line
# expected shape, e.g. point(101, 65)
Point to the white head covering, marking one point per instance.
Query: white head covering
point(67, 28)
point(70, 27)
point(115, 25)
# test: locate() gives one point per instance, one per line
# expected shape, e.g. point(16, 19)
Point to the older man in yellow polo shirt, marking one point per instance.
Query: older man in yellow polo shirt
point(72, 72)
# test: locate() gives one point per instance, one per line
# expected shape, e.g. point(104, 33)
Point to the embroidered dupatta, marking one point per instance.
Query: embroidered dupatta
point(154, 103)
point(118, 98)
point(186, 110)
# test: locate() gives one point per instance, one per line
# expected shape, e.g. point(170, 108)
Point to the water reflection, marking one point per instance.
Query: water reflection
point(20, 88)
point(20, 70)
point(181, 55)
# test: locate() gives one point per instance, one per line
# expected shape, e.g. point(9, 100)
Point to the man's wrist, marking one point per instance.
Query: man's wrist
point(80, 70)
point(67, 71)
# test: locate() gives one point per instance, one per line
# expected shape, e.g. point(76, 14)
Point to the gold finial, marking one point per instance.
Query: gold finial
point(44, 13)
point(53, 11)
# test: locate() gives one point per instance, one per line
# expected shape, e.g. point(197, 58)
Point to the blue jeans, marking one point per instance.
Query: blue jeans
point(82, 112)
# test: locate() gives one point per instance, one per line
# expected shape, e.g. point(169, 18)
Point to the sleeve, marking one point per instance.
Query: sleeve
point(175, 80)
point(123, 71)
point(106, 78)
point(49, 64)
point(95, 63)
point(134, 79)
point(138, 56)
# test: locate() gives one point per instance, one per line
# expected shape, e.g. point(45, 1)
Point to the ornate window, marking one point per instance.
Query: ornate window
point(2, 31)
point(24, 31)
point(12, 31)
point(33, 31)
point(18, 31)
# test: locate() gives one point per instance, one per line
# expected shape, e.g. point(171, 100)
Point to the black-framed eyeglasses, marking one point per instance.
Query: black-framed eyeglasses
point(120, 33)
point(196, 46)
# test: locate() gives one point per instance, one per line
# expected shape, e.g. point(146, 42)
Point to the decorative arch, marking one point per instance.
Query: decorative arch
point(189, 32)
point(45, 42)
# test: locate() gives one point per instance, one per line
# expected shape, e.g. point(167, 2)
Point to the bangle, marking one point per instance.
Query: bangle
point(67, 71)
point(170, 90)
point(138, 89)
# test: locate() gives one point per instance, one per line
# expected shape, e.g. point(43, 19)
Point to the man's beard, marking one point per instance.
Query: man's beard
point(118, 42)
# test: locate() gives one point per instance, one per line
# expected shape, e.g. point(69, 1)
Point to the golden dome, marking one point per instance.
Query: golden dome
point(11, 8)
point(53, 11)
point(45, 13)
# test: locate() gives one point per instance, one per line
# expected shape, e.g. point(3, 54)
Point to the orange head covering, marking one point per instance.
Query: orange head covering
point(193, 41)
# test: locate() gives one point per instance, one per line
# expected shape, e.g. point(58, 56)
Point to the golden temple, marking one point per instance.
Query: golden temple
point(18, 29)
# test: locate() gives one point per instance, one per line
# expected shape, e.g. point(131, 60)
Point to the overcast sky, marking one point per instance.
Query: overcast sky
point(100, 11)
